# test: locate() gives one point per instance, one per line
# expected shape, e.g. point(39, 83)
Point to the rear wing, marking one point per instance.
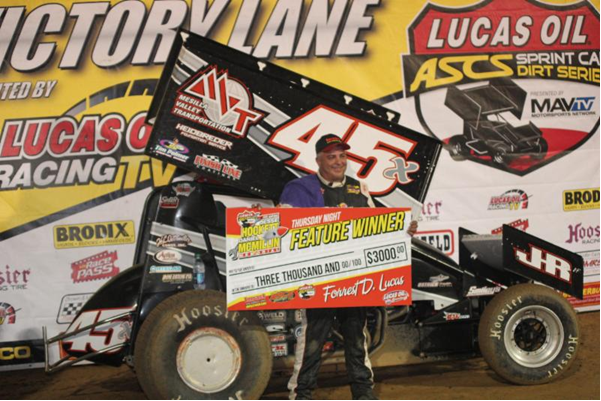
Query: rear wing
point(515, 256)
point(253, 125)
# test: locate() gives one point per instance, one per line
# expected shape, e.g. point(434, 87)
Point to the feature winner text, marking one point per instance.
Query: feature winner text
point(307, 237)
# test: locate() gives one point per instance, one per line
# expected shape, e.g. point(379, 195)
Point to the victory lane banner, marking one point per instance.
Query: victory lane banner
point(299, 258)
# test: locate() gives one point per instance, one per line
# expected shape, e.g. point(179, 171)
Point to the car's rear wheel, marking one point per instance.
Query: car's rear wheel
point(529, 334)
point(191, 347)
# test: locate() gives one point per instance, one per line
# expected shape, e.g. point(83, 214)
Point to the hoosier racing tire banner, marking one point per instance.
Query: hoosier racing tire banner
point(285, 258)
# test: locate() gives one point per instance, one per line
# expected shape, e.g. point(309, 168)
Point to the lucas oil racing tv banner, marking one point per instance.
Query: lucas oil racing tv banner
point(510, 87)
point(295, 258)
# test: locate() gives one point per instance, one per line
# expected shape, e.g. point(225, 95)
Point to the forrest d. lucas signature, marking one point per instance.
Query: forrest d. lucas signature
point(363, 286)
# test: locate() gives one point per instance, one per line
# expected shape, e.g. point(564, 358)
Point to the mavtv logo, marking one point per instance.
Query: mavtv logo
point(560, 104)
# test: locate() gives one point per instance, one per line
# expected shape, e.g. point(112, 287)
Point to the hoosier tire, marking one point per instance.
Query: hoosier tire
point(529, 334)
point(191, 347)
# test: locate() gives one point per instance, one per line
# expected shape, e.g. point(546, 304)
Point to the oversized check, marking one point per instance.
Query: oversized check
point(294, 258)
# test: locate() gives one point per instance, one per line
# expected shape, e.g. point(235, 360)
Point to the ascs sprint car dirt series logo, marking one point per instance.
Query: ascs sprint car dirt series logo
point(512, 84)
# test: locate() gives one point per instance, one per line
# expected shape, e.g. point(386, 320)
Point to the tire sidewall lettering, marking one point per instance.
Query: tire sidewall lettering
point(187, 318)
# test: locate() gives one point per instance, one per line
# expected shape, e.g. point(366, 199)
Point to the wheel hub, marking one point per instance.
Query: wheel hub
point(534, 336)
point(209, 360)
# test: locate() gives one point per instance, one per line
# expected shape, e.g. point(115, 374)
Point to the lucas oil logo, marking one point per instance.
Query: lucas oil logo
point(214, 99)
point(509, 84)
point(513, 199)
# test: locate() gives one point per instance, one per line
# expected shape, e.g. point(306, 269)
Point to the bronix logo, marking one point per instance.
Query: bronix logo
point(562, 104)
point(94, 234)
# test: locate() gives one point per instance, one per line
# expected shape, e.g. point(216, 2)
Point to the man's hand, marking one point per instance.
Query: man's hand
point(412, 228)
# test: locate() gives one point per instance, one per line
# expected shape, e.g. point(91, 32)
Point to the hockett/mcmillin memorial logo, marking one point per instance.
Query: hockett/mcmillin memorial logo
point(259, 235)
point(490, 80)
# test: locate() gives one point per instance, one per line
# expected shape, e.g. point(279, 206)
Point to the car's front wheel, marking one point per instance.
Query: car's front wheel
point(529, 334)
point(192, 347)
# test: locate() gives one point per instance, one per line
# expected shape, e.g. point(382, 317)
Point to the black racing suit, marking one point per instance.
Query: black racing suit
point(317, 323)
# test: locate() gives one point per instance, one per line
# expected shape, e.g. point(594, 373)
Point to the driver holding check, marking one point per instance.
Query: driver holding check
point(331, 187)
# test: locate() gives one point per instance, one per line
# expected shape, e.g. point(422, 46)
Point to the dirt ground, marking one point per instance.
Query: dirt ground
point(470, 379)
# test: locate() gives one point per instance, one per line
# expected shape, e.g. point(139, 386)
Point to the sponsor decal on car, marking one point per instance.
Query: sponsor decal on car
point(8, 314)
point(94, 234)
point(70, 306)
point(277, 338)
point(102, 336)
point(434, 284)
point(580, 199)
point(439, 281)
point(167, 256)
point(172, 149)
point(450, 316)
point(279, 349)
point(475, 291)
point(223, 167)
point(273, 316)
point(173, 241)
point(444, 240)
point(96, 267)
point(176, 278)
point(14, 279)
point(439, 278)
point(513, 199)
point(168, 202)
point(393, 297)
point(544, 261)
point(204, 137)
point(579, 234)
point(165, 269)
point(219, 101)
point(183, 189)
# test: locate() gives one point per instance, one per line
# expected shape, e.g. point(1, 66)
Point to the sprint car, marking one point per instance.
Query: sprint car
point(237, 120)
point(500, 301)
